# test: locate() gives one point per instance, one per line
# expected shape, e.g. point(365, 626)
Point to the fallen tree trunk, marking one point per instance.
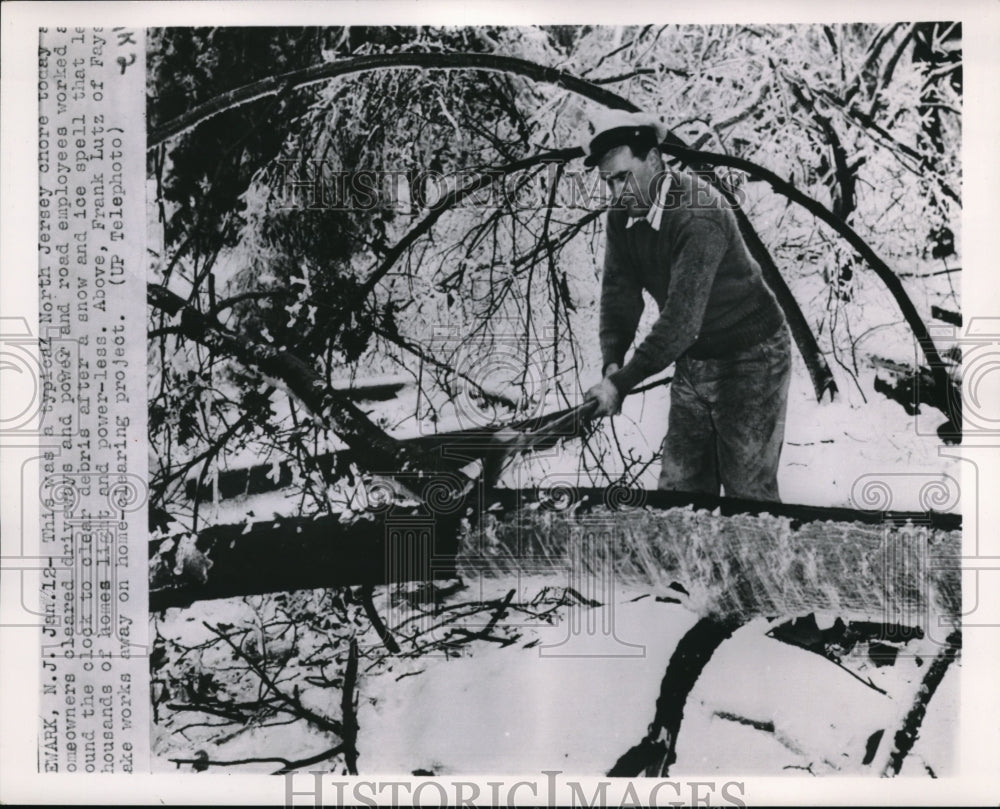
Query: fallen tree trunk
point(540, 531)
point(282, 555)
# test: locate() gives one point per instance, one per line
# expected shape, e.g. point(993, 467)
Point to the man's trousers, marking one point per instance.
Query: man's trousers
point(727, 421)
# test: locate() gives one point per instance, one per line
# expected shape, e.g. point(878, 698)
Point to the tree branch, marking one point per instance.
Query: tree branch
point(845, 231)
point(294, 375)
point(906, 736)
point(868, 125)
point(447, 202)
point(287, 764)
point(641, 71)
point(822, 378)
point(296, 79)
point(843, 203)
point(368, 602)
point(348, 709)
point(322, 722)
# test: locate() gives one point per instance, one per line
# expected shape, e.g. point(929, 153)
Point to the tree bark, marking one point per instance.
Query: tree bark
point(396, 543)
point(227, 561)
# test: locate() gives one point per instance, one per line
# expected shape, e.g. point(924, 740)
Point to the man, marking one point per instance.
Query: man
point(672, 235)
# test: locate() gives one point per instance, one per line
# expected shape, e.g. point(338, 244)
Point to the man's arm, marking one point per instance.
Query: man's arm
point(697, 251)
point(621, 298)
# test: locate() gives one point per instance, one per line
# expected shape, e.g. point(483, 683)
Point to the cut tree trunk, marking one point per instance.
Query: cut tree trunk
point(546, 531)
point(282, 555)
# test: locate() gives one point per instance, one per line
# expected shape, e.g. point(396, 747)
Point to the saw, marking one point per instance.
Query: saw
point(525, 436)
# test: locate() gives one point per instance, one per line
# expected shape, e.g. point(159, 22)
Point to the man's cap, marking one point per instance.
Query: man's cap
point(616, 128)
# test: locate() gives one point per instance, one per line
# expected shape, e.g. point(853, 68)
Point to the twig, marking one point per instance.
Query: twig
point(580, 598)
point(468, 636)
point(378, 624)
point(349, 716)
point(499, 612)
point(641, 71)
point(287, 764)
point(484, 633)
point(294, 703)
point(758, 724)
point(182, 730)
point(230, 715)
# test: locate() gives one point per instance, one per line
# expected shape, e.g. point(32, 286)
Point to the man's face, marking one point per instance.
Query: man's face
point(630, 179)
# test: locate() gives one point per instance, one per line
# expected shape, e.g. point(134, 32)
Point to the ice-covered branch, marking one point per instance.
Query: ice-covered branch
point(290, 372)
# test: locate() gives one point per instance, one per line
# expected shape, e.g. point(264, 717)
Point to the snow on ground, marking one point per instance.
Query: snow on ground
point(567, 703)
point(833, 448)
point(816, 710)
point(564, 695)
point(760, 706)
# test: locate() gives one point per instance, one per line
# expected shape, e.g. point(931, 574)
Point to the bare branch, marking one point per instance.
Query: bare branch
point(287, 764)
point(348, 709)
point(275, 85)
point(292, 373)
point(821, 212)
point(322, 722)
point(368, 601)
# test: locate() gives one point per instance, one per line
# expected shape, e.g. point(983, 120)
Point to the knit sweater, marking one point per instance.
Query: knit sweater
point(696, 267)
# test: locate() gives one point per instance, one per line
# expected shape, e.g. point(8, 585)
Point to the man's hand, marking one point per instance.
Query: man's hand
point(607, 397)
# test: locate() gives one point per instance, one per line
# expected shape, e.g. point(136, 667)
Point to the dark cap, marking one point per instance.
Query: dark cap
point(639, 138)
point(618, 128)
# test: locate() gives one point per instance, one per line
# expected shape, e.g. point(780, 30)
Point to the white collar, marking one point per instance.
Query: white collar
point(655, 213)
